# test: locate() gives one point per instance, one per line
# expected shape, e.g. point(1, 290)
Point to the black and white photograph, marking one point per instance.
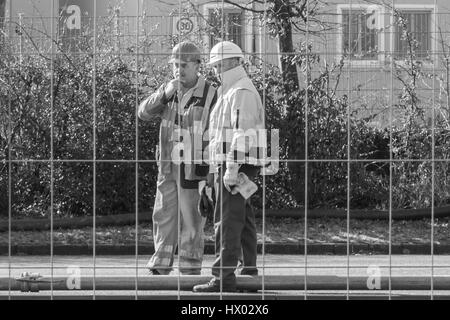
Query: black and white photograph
point(248, 151)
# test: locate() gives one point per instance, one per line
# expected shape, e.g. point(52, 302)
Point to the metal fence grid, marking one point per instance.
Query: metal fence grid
point(377, 75)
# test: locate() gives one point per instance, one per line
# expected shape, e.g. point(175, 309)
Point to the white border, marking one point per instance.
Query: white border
point(380, 12)
point(433, 30)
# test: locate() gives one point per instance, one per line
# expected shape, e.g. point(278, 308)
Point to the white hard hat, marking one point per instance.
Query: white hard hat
point(224, 50)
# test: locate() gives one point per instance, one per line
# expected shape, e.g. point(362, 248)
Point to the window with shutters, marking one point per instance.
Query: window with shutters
point(360, 35)
point(359, 38)
point(226, 24)
point(413, 33)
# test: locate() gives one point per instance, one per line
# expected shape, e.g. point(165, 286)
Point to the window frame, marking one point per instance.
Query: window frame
point(380, 56)
point(247, 28)
point(228, 12)
point(433, 31)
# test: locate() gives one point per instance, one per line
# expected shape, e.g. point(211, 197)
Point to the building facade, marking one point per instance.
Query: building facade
point(372, 40)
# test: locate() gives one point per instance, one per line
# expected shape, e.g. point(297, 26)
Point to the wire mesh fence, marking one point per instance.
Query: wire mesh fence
point(356, 100)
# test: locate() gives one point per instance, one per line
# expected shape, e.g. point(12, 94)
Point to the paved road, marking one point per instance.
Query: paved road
point(292, 265)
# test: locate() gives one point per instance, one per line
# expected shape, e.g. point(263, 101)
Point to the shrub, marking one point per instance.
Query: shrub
point(30, 93)
point(65, 98)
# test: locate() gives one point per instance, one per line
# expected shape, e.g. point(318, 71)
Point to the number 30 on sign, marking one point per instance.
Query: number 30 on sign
point(184, 26)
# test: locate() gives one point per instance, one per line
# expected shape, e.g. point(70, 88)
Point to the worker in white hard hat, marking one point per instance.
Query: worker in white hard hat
point(183, 104)
point(238, 110)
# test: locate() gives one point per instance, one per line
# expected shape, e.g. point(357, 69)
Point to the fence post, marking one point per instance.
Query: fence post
point(117, 29)
point(20, 37)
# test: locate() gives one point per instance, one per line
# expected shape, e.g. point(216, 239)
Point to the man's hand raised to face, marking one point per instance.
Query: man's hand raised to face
point(172, 86)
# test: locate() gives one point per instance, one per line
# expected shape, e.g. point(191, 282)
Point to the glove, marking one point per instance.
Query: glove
point(205, 202)
point(230, 177)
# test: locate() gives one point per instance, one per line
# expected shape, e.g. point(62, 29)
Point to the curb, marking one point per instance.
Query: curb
point(269, 248)
point(146, 217)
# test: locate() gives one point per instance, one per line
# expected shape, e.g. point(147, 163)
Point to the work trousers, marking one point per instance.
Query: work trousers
point(171, 202)
point(235, 231)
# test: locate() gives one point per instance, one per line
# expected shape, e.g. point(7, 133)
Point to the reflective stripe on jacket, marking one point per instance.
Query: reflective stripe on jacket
point(238, 110)
point(194, 118)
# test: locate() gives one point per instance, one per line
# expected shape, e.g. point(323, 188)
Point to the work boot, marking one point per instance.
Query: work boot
point(154, 272)
point(240, 264)
point(192, 272)
point(248, 272)
point(253, 272)
point(214, 286)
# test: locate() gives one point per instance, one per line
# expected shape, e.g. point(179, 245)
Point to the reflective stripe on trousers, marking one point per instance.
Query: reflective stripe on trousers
point(165, 227)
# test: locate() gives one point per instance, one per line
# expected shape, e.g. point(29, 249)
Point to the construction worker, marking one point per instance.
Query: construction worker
point(238, 110)
point(183, 104)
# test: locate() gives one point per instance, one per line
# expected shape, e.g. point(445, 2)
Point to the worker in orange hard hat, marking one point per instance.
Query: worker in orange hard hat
point(183, 104)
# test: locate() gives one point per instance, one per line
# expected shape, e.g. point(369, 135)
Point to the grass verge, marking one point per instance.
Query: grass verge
point(289, 230)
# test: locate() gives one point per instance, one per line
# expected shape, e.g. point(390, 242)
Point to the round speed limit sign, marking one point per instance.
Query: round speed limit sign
point(185, 26)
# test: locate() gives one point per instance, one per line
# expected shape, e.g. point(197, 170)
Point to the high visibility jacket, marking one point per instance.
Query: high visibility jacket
point(192, 117)
point(235, 120)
